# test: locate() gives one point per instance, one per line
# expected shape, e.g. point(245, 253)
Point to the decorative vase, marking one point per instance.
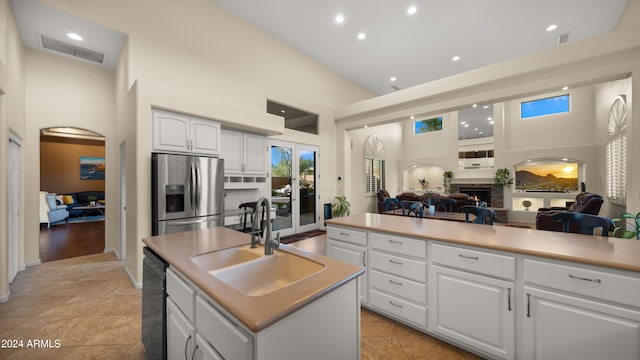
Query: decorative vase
point(432, 209)
point(527, 204)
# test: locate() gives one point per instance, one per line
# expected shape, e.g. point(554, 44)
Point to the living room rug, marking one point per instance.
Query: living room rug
point(301, 236)
point(88, 218)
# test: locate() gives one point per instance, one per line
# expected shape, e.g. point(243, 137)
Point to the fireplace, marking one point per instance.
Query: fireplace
point(481, 193)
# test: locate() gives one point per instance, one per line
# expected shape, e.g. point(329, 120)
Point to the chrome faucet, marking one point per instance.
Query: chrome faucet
point(256, 228)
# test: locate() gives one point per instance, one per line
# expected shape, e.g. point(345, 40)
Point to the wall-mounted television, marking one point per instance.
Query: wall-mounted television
point(547, 176)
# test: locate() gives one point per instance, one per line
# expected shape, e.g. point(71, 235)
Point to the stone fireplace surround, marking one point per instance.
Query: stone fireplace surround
point(497, 194)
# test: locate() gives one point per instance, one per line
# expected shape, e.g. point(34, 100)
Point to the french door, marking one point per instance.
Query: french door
point(294, 187)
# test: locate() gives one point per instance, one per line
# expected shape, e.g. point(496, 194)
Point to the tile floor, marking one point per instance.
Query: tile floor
point(86, 308)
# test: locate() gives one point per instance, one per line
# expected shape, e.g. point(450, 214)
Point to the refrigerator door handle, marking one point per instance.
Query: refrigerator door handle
point(192, 185)
point(185, 222)
point(198, 186)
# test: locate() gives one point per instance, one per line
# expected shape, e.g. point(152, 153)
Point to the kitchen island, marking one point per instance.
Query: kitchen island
point(499, 291)
point(211, 309)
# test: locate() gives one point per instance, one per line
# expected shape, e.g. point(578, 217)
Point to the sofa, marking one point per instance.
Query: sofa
point(461, 199)
point(585, 203)
point(81, 198)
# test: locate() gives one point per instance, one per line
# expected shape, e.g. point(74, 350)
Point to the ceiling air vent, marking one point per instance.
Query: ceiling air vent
point(70, 49)
point(563, 38)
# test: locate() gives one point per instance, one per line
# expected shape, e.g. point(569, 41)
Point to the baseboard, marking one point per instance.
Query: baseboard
point(136, 285)
point(33, 263)
point(5, 297)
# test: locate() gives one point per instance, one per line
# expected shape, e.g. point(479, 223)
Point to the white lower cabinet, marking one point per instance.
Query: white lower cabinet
point(328, 328)
point(474, 310)
point(350, 246)
point(204, 350)
point(180, 333)
point(580, 312)
point(559, 327)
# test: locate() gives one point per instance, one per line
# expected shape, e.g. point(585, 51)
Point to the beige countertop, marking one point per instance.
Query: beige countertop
point(616, 253)
point(255, 312)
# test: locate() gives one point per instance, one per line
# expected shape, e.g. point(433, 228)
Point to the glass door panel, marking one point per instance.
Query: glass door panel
point(282, 188)
point(307, 185)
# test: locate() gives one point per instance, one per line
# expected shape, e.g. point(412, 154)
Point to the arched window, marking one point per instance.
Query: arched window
point(617, 152)
point(374, 175)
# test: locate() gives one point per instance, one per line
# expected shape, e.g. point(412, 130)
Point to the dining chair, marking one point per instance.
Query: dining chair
point(484, 216)
point(247, 217)
point(588, 223)
point(445, 204)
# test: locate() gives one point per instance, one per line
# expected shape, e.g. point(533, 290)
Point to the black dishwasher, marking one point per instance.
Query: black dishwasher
point(154, 308)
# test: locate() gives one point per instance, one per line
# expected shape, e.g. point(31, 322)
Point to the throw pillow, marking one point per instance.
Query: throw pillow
point(67, 199)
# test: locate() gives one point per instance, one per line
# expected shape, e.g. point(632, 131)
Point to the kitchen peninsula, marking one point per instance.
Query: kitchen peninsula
point(219, 305)
point(501, 292)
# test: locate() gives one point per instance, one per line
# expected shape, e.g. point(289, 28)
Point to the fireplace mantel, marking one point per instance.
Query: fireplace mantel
point(472, 181)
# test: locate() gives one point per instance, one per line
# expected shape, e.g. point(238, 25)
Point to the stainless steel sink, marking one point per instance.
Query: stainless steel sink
point(268, 273)
point(228, 257)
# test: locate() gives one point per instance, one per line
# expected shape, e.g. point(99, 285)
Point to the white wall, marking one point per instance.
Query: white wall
point(64, 92)
point(12, 121)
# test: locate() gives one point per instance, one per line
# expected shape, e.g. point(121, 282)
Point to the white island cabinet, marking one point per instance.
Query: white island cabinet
point(501, 292)
point(585, 313)
point(472, 298)
point(200, 328)
point(350, 246)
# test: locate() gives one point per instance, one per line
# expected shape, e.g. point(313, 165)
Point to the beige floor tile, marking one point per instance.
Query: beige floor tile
point(381, 348)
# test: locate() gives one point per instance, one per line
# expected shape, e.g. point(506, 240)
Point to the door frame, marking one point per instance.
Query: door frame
point(295, 185)
point(14, 204)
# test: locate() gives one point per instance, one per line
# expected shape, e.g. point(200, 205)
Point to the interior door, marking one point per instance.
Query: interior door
point(14, 208)
point(294, 187)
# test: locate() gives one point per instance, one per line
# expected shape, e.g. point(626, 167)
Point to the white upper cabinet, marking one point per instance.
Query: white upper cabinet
point(244, 153)
point(174, 132)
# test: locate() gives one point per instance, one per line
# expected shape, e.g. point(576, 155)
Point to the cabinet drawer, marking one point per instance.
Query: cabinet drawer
point(181, 293)
point(584, 281)
point(400, 308)
point(474, 260)
point(348, 235)
point(396, 265)
point(227, 338)
point(400, 245)
point(398, 286)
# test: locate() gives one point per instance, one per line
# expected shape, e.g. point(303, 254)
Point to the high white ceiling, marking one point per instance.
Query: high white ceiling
point(419, 48)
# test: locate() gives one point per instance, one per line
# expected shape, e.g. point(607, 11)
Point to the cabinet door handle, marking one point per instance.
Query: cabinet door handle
point(396, 305)
point(469, 257)
point(395, 262)
point(193, 354)
point(395, 282)
point(186, 347)
point(344, 234)
point(364, 258)
point(395, 242)
point(528, 305)
point(509, 299)
point(597, 281)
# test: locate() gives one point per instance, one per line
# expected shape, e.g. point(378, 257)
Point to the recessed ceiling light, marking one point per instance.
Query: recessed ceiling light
point(489, 118)
point(485, 107)
point(455, 58)
point(393, 78)
point(466, 125)
point(552, 27)
point(565, 88)
point(462, 122)
point(366, 126)
point(362, 36)
point(476, 129)
point(339, 19)
point(412, 10)
point(74, 36)
point(491, 122)
point(412, 117)
point(283, 111)
point(564, 159)
point(475, 105)
point(481, 132)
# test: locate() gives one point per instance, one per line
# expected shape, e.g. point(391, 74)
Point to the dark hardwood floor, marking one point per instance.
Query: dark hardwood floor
point(71, 240)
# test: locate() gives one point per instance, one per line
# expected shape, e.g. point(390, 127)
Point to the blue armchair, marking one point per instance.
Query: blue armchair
point(55, 213)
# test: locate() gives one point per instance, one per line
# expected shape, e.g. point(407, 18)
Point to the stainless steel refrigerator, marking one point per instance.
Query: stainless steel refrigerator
point(187, 192)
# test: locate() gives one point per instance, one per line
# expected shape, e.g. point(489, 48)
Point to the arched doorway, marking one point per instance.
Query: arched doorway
point(72, 193)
